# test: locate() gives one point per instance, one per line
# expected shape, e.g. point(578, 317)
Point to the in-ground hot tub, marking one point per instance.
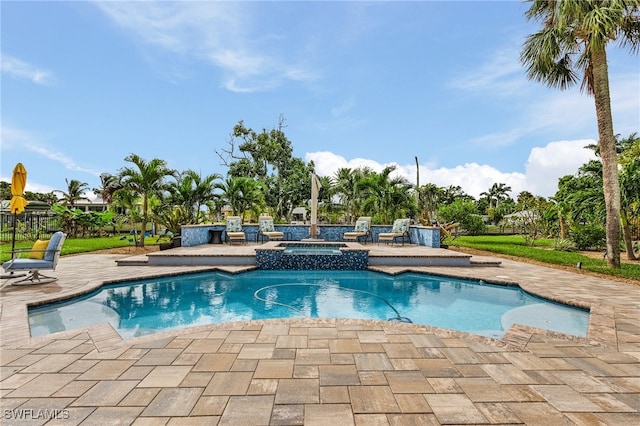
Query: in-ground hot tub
point(312, 255)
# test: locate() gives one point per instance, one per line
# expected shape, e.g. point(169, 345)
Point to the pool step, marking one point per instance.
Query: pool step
point(245, 255)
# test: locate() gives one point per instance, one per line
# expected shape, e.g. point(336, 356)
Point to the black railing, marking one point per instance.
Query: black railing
point(28, 226)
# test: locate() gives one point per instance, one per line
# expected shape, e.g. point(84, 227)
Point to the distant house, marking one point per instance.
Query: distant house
point(96, 205)
point(299, 216)
point(521, 216)
point(32, 207)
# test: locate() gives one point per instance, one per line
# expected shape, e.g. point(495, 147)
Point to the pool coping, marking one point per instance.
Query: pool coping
point(601, 330)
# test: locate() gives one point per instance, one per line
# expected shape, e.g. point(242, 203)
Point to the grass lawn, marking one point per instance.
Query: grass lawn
point(513, 246)
point(77, 245)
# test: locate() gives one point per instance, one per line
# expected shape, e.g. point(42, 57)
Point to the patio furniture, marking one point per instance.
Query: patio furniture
point(43, 256)
point(362, 230)
point(267, 230)
point(399, 230)
point(234, 230)
point(215, 236)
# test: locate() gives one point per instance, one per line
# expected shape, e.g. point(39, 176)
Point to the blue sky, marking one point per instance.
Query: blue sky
point(84, 84)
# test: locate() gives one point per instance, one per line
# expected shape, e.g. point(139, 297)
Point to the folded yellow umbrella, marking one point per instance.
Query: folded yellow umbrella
point(18, 183)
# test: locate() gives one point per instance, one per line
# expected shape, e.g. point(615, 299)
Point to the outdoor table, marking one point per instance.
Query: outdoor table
point(215, 236)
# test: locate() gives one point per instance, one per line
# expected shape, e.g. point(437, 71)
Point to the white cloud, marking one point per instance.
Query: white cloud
point(544, 167)
point(17, 139)
point(549, 163)
point(501, 74)
point(498, 140)
point(327, 163)
point(217, 32)
point(18, 69)
point(474, 178)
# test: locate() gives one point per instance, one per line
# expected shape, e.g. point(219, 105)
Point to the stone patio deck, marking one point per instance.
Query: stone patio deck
point(323, 371)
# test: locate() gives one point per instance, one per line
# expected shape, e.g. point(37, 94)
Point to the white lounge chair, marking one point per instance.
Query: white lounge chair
point(36, 260)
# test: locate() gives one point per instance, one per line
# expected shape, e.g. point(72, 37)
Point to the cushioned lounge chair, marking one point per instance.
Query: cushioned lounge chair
point(234, 232)
point(267, 230)
point(362, 230)
point(37, 259)
point(400, 230)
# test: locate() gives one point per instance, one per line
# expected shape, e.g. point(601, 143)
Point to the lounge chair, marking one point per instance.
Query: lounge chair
point(400, 229)
point(234, 230)
point(42, 257)
point(267, 230)
point(446, 230)
point(362, 230)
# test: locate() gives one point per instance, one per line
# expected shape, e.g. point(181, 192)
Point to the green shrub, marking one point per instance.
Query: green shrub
point(588, 237)
point(563, 244)
point(463, 212)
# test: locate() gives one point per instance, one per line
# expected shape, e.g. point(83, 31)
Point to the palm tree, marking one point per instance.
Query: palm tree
point(192, 191)
point(573, 41)
point(242, 194)
point(108, 185)
point(499, 192)
point(127, 201)
point(387, 197)
point(346, 189)
point(453, 193)
point(488, 196)
point(146, 179)
point(428, 199)
point(75, 192)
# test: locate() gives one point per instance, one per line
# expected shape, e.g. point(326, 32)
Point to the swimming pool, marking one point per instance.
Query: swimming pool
point(148, 306)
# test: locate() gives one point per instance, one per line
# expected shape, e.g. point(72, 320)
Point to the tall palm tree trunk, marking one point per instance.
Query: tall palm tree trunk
point(608, 154)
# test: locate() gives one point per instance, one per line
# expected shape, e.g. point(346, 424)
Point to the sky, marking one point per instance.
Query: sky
point(85, 84)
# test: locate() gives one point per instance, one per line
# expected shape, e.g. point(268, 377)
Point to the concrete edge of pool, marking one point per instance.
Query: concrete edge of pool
point(595, 324)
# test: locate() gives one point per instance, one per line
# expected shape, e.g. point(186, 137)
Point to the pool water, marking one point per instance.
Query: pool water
point(153, 305)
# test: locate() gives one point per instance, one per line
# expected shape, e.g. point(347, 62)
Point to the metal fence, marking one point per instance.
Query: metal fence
point(29, 226)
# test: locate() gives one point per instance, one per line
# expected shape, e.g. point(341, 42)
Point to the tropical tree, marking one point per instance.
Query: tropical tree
point(630, 195)
point(573, 42)
point(497, 192)
point(191, 191)
point(326, 206)
point(346, 189)
point(629, 160)
point(108, 185)
point(126, 203)
point(75, 192)
point(242, 194)
point(429, 196)
point(145, 179)
point(387, 197)
point(463, 212)
point(267, 157)
point(579, 205)
point(454, 193)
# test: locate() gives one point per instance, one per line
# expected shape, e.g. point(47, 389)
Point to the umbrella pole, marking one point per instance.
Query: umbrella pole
point(12, 274)
point(13, 239)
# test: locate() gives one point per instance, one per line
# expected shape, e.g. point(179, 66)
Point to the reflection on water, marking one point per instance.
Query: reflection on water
point(153, 305)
